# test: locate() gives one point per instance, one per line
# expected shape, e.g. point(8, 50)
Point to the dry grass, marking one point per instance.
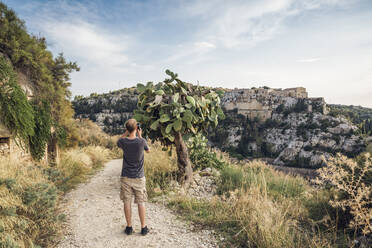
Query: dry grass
point(260, 207)
point(84, 132)
point(351, 181)
point(160, 169)
point(28, 211)
point(77, 163)
point(29, 193)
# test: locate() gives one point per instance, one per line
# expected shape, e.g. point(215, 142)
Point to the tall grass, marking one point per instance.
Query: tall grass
point(29, 194)
point(77, 163)
point(258, 174)
point(260, 207)
point(160, 169)
point(84, 132)
point(28, 213)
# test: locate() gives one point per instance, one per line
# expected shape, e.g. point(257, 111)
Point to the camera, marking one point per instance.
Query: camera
point(138, 126)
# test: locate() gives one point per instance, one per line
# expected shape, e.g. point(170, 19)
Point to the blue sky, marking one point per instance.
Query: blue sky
point(323, 45)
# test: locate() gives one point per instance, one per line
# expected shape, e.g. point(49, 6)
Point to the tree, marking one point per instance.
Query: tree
point(47, 76)
point(173, 111)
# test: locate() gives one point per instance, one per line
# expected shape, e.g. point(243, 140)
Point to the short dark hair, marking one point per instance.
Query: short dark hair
point(131, 125)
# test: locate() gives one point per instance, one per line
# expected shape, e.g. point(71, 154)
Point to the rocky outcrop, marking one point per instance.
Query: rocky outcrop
point(295, 131)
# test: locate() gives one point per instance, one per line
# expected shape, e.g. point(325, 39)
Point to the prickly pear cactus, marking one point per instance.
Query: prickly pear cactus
point(173, 106)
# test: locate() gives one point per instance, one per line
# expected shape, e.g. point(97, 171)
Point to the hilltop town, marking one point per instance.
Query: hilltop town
point(261, 102)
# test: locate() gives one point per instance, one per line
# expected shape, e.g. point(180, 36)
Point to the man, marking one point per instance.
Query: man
point(133, 180)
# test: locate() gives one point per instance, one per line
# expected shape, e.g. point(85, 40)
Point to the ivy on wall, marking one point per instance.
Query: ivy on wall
point(42, 133)
point(16, 112)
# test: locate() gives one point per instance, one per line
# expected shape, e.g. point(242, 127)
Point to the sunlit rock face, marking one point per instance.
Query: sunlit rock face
point(285, 125)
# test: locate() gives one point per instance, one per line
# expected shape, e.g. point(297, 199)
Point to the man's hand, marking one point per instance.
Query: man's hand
point(139, 132)
point(125, 134)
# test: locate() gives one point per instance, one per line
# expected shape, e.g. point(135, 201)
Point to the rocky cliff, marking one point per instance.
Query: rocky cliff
point(284, 125)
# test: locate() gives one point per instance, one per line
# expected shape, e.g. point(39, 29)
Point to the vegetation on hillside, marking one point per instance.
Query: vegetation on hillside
point(257, 206)
point(16, 111)
point(360, 116)
point(120, 104)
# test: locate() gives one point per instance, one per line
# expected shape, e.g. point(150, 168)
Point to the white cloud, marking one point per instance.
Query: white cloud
point(238, 23)
point(87, 42)
point(309, 60)
point(204, 44)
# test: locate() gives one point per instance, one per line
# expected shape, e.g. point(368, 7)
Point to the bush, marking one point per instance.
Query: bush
point(28, 205)
point(202, 156)
point(352, 183)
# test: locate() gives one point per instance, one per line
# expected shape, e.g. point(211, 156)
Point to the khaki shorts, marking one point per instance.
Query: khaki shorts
point(133, 186)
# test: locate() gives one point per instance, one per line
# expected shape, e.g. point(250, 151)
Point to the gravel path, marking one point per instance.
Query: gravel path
point(95, 219)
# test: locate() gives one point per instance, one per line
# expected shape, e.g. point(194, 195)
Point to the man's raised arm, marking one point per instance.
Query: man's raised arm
point(139, 133)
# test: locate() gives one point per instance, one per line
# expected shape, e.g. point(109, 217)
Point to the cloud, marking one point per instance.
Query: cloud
point(204, 44)
point(239, 23)
point(309, 60)
point(87, 42)
point(323, 45)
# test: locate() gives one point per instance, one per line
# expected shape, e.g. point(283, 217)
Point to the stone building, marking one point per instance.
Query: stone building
point(260, 102)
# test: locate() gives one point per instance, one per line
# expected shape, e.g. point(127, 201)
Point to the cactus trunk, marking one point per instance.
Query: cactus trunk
point(183, 161)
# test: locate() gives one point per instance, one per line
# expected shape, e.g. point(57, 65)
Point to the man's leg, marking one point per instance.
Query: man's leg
point(142, 214)
point(128, 213)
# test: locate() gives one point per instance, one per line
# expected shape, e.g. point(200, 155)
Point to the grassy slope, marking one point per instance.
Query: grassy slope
point(29, 194)
point(256, 206)
point(30, 190)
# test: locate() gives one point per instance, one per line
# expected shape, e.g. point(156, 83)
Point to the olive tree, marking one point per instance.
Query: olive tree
point(173, 111)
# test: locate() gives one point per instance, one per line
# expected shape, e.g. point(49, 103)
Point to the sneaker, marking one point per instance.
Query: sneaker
point(128, 230)
point(145, 231)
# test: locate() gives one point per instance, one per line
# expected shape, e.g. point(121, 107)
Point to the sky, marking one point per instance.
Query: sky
point(322, 45)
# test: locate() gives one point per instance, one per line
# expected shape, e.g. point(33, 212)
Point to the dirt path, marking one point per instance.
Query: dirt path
point(95, 219)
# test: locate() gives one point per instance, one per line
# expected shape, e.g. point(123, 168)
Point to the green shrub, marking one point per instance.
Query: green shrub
point(42, 134)
point(201, 154)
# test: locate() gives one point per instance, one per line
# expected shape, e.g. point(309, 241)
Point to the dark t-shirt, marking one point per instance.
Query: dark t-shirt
point(133, 157)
